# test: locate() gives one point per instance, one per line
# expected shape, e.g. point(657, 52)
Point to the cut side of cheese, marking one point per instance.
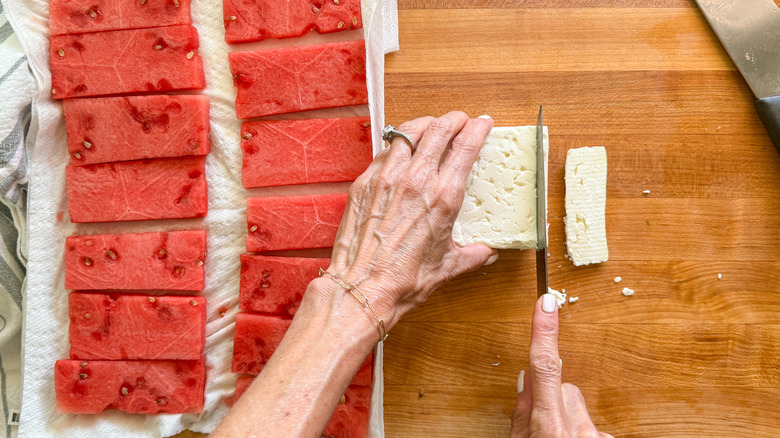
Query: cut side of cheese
point(586, 201)
point(499, 208)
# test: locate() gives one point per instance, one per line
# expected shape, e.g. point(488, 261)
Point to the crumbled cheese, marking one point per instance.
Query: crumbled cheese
point(646, 192)
point(521, 382)
point(499, 208)
point(573, 299)
point(720, 276)
point(586, 200)
point(628, 292)
point(559, 297)
point(618, 279)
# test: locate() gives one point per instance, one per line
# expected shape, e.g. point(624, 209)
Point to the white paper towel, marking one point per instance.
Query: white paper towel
point(45, 331)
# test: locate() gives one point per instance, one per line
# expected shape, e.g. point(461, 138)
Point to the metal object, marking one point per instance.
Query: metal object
point(541, 209)
point(750, 32)
point(390, 133)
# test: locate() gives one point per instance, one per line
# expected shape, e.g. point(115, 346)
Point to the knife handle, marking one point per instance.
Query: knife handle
point(769, 110)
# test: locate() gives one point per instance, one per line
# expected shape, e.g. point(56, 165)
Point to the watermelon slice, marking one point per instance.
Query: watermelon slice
point(293, 79)
point(255, 20)
point(276, 284)
point(125, 61)
point(107, 129)
point(104, 326)
point(137, 387)
point(282, 152)
point(256, 339)
point(242, 384)
point(294, 222)
point(136, 261)
point(81, 16)
point(165, 188)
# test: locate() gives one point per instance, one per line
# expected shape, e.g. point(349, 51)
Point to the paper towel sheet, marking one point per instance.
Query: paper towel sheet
point(46, 318)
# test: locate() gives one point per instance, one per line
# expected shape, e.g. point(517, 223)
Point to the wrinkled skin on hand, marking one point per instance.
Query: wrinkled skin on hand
point(395, 240)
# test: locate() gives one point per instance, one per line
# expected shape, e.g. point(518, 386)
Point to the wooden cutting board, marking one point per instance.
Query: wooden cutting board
point(689, 355)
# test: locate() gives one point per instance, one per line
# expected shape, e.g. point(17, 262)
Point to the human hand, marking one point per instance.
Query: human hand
point(395, 240)
point(545, 407)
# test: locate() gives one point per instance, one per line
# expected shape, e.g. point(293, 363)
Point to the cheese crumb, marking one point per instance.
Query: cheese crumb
point(646, 192)
point(720, 276)
point(618, 279)
point(559, 297)
point(573, 299)
point(628, 292)
point(586, 200)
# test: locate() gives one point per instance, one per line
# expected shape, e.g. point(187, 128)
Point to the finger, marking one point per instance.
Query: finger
point(605, 435)
point(577, 411)
point(465, 149)
point(471, 257)
point(400, 149)
point(544, 358)
point(521, 417)
point(437, 137)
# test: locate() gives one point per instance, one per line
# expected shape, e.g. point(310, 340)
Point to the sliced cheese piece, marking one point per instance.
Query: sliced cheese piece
point(586, 199)
point(499, 208)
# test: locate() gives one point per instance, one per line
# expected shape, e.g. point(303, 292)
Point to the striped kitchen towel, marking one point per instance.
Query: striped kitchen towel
point(16, 91)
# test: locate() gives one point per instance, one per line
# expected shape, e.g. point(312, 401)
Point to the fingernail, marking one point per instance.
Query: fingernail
point(492, 259)
point(548, 303)
point(485, 116)
point(521, 382)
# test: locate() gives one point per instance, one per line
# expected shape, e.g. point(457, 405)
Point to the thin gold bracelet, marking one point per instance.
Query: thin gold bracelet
point(351, 288)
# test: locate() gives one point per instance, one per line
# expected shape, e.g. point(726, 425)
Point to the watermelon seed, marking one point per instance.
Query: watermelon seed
point(143, 1)
point(265, 285)
point(367, 124)
point(341, 23)
point(343, 399)
point(193, 302)
point(151, 299)
point(265, 274)
point(89, 242)
point(160, 401)
point(87, 316)
point(336, 1)
point(176, 3)
point(146, 124)
point(61, 52)
point(87, 261)
point(232, 18)
point(199, 263)
point(83, 364)
point(86, 144)
point(157, 47)
point(247, 136)
point(190, 55)
point(111, 254)
point(125, 391)
point(162, 252)
point(177, 271)
point(354, 21)
point(77, 155)
point(92, 14)
point(53, 91)
point(82, 376)
point(253, 229)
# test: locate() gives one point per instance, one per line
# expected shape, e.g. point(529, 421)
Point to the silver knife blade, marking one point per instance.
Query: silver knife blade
point(750, 32)
point(541, 209)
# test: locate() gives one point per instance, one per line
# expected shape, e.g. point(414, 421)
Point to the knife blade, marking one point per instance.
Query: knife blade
point(541, 209)
point(749, 30)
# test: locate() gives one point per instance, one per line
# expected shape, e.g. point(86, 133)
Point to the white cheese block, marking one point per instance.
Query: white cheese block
point(499, 208)
point(586, 201)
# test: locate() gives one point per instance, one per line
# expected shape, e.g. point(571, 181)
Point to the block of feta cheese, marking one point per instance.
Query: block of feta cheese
point(107, 129)
point(586, 201)
point(282, 152)
point(289, 79)
point(83, 16)
point(124, 326)
point(164, 188)
point(136, 261)
point(499, 208)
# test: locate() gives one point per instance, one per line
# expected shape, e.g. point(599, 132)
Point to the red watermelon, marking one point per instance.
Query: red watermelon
point(136, 261)
point(282, 152)
point(290, 79)
point(107, 129)
point(276, 284)
point(294, 222)
point(137, 387)
point(256, 339)
point(82, 16)
point(165, 188)
point(242, 384)
point(350, 418)
point(255, 20)
point(125, 61)
point(113, 326)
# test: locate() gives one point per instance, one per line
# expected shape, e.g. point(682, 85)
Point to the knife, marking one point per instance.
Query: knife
point(541, 210)
point(750, 32)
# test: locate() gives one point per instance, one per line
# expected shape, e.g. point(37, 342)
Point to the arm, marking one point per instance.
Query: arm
point(395, 243)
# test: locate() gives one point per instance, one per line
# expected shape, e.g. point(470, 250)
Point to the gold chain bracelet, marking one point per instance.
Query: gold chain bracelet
point(352, 288)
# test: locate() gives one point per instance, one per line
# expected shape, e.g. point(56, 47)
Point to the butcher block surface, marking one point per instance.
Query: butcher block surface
point(689, 354)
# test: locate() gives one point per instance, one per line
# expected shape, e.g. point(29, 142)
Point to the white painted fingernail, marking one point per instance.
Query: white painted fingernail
point(485, 116)
point(521, 382)
point(492, 259)
point(549, 303)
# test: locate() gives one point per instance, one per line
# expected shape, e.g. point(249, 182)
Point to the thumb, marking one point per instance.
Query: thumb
point(521, 417)
point(473, 256)
point(545, 361)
